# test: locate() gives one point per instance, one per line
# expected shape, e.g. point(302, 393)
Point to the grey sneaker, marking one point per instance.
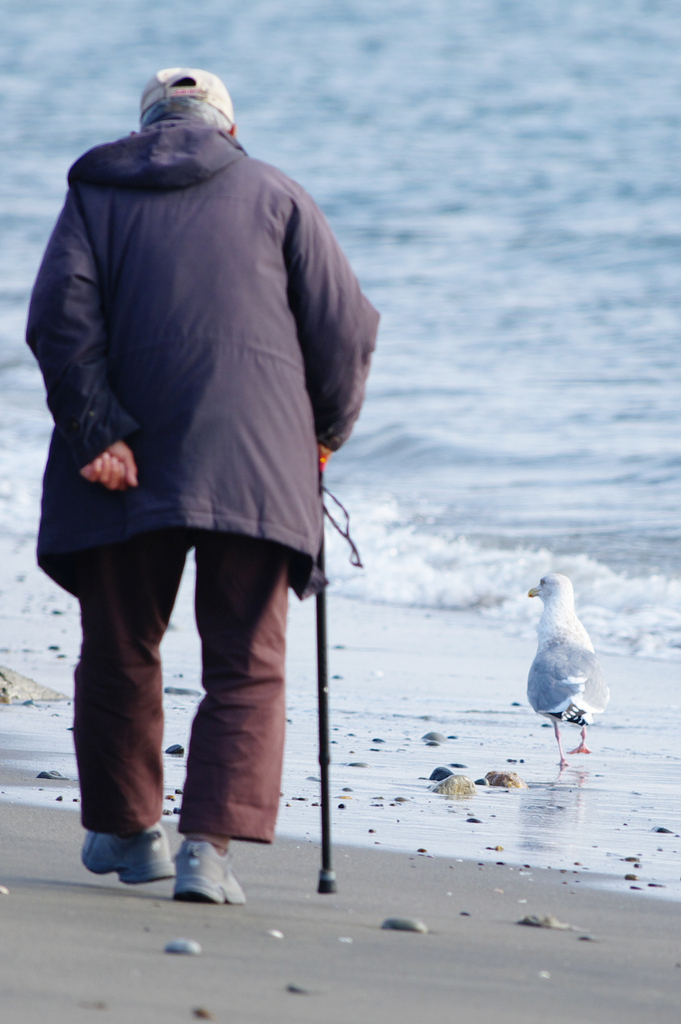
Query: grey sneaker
point(144, 857)
point(205, 876)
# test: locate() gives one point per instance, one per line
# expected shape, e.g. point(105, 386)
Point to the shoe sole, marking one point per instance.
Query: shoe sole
point(168, 872)
point(192, 896)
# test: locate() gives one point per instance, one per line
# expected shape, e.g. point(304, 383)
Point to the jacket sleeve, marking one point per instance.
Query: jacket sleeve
point(67, 334)
point(336, 324)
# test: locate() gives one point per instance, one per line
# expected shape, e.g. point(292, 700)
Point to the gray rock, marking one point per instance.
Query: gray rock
point(358, 764)
point(186, 947)
point(50, 775)
point(455, 785)
point(436, 736)
point(438, 774)
point(15, 688)
point(453, 764)
point(661, 828)
point(547, 921)
point(182, 691)
point(377, 739)
point(433, 743)
point(298, 990)
point(481, 782)
point(176, 749)
point(405, 924)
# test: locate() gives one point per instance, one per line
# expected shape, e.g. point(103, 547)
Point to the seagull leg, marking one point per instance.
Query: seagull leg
point(582, 748)
point(563, 762)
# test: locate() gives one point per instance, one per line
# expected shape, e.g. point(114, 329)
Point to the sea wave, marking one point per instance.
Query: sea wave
point(411, 562)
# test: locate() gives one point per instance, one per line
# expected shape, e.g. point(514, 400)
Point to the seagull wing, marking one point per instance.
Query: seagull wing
point(563, 674)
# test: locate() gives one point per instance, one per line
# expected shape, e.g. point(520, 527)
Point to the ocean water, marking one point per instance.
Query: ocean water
point(504, 175)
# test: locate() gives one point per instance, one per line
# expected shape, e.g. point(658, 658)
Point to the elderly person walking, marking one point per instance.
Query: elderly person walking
point(203, 339)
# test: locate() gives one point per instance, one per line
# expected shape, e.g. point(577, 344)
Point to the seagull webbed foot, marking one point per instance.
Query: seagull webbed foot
point(581, 749)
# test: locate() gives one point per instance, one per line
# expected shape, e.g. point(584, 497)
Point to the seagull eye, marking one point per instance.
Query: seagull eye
point(542, 582)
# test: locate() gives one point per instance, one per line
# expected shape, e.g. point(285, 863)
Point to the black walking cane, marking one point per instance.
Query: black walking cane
point(327, 876)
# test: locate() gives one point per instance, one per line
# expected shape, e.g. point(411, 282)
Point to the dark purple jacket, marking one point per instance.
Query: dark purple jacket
point(194, 302)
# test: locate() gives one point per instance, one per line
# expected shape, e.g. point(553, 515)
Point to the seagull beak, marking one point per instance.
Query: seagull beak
point(534, 592)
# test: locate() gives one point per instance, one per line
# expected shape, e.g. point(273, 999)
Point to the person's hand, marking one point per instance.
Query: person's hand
point(115, 468)
point(324, 456)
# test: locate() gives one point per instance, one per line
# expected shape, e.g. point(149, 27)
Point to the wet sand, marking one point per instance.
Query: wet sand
point(76, 947)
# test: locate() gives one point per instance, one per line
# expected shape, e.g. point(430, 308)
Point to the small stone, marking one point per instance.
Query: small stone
point(186, 947)
point(547, 921)
point(656, 885)
point(4, 891)
point(358, 764)
point(341, 807)
point(422, 849)
point(436, 737)
point(438, 774)
point(182, 691)
point(312, 778)
point(498, 848)
point(515, 704)
point(452, 737)
point(275, 933)
point(587, 938)
point(454, 764)
point(433, 743)
point(176, 749)
point(455, 785)
point(631, 860)
point(658, 828)
point(347, 789)
point(464, 913)
point(508, 780)
point(631, 878)
point(201, 1013)
point(59, 799)
point(377, 739)
point(474, 821)
point(166, 810)
point(481, 782)
point(50, 775)
point(401, 800)
point(372, 830)
point(298, 990)
point(405, 924)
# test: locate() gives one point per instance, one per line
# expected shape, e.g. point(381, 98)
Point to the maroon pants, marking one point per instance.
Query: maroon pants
point(126, 593)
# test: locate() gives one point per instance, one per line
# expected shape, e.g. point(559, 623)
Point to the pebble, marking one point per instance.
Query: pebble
point(435, 737)
point(50, 775)
point(474, 821)
point(438, 774)
point(201, 1013)
point(658, 828)
point(456, 785)
point(405, 924)
point(182, 691)
point(401, 800)
point(312, 778)
point(547, 921)
point(187, 947)
point(588, 938)
point(481, 782)
point(508, 780)
point(358, 764)
point(175, 748)
point(631, 878)
point(347, 789)
point(298, 990)
point(453, 764)
point(377, 739)
point(275, 933)
point(4, 891)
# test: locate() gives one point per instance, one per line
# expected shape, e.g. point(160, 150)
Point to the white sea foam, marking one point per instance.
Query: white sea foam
point(407, 564)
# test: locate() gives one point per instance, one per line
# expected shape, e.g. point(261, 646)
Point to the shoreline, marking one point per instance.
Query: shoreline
point(397, 673)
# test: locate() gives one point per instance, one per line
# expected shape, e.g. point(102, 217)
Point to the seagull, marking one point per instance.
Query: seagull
point(566, 681)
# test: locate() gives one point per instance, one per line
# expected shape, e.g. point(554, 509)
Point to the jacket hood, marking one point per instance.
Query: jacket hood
point(169, 154)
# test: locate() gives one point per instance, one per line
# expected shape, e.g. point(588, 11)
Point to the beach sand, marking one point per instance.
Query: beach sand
point(74, 945)
point(72, 941)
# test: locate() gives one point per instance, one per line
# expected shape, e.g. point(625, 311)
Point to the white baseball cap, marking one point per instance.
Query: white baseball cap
point(191, 82)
